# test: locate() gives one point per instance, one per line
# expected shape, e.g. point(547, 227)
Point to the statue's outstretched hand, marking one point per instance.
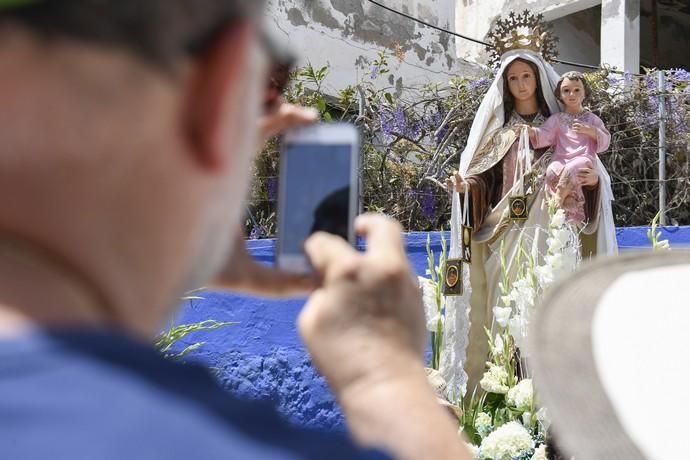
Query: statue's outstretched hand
point(456, 183)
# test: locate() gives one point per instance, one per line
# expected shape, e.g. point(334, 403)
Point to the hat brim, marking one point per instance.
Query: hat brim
point(584, 421)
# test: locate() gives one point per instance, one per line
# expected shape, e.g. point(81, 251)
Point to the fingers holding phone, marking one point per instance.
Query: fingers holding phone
point(367, 301)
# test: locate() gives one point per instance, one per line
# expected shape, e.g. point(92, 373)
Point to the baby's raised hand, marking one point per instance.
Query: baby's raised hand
point(584, 128)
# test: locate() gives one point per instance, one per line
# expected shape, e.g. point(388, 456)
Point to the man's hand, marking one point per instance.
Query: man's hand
point(242, 272)
point(368, 306)
point(285, 117)
point(364, 328)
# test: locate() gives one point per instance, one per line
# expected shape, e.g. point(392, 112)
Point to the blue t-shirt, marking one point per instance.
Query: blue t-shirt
point(101, 396)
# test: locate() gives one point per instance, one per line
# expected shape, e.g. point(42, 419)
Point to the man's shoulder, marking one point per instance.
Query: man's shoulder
point(115, 398)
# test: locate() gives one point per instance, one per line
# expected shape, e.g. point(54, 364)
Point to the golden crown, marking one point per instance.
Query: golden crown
point(521, 31)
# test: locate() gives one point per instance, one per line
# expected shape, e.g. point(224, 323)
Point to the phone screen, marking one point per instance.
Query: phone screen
point(317, 193)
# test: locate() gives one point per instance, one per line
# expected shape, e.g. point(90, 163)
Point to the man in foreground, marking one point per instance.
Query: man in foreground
point(126, 137)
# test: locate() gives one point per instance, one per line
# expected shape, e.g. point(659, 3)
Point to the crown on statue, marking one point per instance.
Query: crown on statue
point(521, 31)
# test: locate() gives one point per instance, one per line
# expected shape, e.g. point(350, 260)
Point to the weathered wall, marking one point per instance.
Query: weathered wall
point(349, 34)
point(262, 356)
point(475, 18)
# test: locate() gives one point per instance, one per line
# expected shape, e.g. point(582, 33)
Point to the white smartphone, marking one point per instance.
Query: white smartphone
point(318, 189)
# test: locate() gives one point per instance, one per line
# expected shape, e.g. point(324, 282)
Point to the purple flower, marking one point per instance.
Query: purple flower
point(400, 120)
point(272, 188)
point(386, 122)
point(428, 203)
point(480, 83)
point(679, 74)
point(375, 71)
point(627, 77)
point(614, 79)
point(415, 130)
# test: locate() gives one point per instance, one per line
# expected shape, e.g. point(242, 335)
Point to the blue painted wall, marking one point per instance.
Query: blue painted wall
point(262, 356)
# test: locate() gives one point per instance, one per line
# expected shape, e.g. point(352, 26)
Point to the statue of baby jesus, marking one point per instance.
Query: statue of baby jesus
point(577, 136)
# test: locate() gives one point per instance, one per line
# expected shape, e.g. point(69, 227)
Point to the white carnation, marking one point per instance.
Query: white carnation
point(521, 395)
point(502, 315)
point(495, 380)
point(540, 453)
point(509, 441)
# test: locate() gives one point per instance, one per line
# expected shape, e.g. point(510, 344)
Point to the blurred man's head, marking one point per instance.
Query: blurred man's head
point(126, 137)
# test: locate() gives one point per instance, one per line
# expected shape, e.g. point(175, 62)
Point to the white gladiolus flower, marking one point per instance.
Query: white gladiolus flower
point(495, 380)
point(506, 300)
point(521, 395)
point(518, 330)
point(540, 453)
point(498, 343)
point(431, 311)
point(527, 420)
point(502, 315)
point(545, 275)
point(508, 441)
point(558, 219)
point(555, 261)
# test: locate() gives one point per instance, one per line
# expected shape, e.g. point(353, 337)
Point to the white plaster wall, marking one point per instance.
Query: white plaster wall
point(349, 34)
point(474, 18)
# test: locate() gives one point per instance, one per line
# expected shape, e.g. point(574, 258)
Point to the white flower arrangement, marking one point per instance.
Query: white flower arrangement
point(495, 380)
point(521, 396)
point(519, 425)
point(507, 442)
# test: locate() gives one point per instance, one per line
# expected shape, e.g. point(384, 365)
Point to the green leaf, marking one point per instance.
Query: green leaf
point(389, 98)
point(327, 117)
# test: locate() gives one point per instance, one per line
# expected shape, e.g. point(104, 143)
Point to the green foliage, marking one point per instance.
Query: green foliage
point(166, 340)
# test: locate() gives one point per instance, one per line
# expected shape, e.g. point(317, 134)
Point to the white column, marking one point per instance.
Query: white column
point(620, 34)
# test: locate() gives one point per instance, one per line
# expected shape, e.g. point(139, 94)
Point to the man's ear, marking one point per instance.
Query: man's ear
point(216, 78)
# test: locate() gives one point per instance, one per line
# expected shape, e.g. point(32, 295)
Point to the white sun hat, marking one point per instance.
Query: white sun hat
point(610, 351)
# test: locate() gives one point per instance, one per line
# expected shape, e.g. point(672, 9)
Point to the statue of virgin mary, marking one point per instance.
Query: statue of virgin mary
point(488, 176)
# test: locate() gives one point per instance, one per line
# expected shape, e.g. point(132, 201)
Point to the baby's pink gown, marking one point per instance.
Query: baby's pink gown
point(572, 151)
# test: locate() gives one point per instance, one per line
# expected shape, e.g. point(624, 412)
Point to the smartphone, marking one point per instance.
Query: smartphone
point(318, 189)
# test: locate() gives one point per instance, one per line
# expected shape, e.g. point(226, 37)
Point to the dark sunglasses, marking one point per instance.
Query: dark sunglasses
point(280, 57)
